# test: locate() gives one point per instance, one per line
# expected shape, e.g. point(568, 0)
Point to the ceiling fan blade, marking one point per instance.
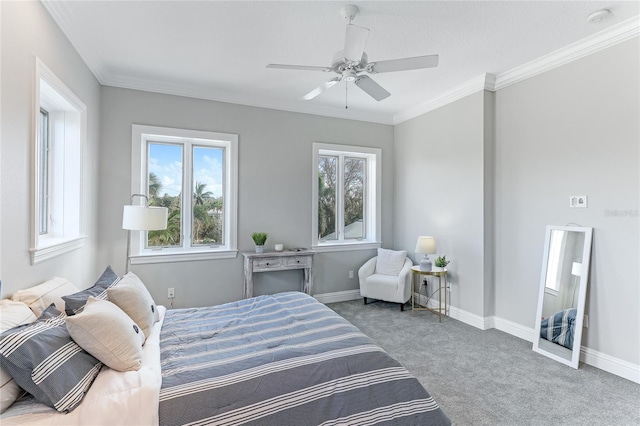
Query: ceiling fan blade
point(355, 41)
point(372, 88)
point(324, 86)
point(429, 61)
point(298, 67)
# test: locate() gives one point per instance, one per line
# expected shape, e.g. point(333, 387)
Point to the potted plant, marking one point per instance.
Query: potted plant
point(440, 263)
point(259, 238)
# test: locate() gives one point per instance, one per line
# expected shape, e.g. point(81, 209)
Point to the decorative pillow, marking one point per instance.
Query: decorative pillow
point(390, 262)
point(134, 299)
point(41, 296)
point(75, 302)
point(45, 362)
point(12, 313)
point(107, 333)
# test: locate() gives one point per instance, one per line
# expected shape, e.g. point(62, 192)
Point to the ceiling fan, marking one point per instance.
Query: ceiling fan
point(352, 61)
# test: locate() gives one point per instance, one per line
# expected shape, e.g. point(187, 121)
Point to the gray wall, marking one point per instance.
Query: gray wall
point(441, 177)
point(29, 31)
point(573, 131)
point(274, 195)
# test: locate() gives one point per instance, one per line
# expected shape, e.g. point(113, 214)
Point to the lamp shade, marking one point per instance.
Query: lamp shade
point(142, 218)
point(576, 269)
point(426, 245)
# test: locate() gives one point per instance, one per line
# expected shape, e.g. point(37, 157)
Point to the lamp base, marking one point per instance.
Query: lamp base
point(425, 264)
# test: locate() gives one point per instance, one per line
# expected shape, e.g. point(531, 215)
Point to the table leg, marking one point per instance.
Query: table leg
point(413, 288)
point(248, 279)
point(439, 298)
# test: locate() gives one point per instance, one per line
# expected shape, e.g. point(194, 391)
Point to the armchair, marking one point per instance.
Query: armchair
point(390, 288)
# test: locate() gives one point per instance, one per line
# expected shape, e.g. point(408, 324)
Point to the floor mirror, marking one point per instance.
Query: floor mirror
point(563, 291)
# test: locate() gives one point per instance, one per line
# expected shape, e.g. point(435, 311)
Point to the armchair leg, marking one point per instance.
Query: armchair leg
point(365, 300)
point(402, 307)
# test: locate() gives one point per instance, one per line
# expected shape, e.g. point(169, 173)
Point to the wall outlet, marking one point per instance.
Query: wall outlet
point(585, 323)
point(578, 201)
point(350, 274)
point(171, 293)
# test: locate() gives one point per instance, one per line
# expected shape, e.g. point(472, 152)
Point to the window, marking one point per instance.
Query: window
point(555, 266)
point(60, 129)
point(346, 197)
point(193, 174)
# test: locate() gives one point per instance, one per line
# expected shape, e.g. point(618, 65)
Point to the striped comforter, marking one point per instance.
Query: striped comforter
point(282, 360)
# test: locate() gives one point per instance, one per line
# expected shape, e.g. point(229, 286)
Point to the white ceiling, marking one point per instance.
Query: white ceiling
point(218, 49)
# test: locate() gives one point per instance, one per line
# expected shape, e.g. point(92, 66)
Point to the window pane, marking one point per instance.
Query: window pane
point(327, 176)
point(43, 147)
point(354, 202)
point(165, 190)
point(207, 223)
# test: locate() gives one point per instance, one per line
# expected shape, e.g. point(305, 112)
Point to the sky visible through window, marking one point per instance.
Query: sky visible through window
point(165, 161)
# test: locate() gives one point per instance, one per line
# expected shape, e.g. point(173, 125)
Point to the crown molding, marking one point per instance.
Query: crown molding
point(611, 36)
point(481, 82)
point(61, 14)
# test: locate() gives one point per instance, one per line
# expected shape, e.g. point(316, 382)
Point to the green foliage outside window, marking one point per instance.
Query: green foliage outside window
point(207, 218)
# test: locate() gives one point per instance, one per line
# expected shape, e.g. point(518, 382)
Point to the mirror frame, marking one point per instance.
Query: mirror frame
point(582, 295)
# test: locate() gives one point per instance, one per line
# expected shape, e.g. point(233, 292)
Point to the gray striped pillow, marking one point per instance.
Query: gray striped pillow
point(47, 363)
point(74, 303)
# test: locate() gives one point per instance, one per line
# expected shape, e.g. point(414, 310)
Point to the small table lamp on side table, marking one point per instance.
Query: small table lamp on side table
point(426, 245)
point(418, 272)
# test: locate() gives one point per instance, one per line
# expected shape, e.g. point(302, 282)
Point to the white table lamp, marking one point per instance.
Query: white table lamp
point(426, 245)
point(142, 218)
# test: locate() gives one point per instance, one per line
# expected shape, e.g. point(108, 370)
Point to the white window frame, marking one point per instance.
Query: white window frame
point(67, 133)
point(141, 136)
point(373, 197)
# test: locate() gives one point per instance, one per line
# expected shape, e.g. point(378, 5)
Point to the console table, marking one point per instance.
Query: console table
point(278, 261)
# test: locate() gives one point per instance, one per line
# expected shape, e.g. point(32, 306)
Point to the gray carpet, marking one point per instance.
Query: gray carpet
point(490, 377)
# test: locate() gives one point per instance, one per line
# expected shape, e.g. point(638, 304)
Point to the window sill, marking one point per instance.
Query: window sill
point(367, 245)
point(142, 259)
point(51, 248)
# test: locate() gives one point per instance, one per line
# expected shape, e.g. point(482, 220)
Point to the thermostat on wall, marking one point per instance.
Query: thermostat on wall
point(578, 201)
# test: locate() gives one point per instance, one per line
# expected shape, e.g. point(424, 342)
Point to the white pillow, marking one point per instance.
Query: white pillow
point(134, 299)
point(107, 333)
point(390, 262)
point(12, 314)
point(41, 296)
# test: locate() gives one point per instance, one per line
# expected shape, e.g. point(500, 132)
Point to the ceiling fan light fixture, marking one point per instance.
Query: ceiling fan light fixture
point(349, 75)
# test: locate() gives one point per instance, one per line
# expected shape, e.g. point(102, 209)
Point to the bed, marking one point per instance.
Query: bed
point(283, 359)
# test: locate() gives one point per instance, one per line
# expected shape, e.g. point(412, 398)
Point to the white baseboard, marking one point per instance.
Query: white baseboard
point(589, 356)
point(338, 296)
point(610, 364)
point(515, 329)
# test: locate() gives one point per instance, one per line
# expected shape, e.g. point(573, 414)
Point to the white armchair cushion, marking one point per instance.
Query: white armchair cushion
point(390, 262)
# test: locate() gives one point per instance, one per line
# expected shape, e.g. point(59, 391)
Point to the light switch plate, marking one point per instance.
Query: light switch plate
point(578, 201)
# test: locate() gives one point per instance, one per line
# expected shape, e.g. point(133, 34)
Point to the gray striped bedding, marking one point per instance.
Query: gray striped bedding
point(284, 359)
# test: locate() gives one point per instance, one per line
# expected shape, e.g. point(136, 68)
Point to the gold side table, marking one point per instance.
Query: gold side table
point(417, 273)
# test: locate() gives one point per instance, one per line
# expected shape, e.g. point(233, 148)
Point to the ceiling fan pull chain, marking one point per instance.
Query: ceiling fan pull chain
point(346, 86)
